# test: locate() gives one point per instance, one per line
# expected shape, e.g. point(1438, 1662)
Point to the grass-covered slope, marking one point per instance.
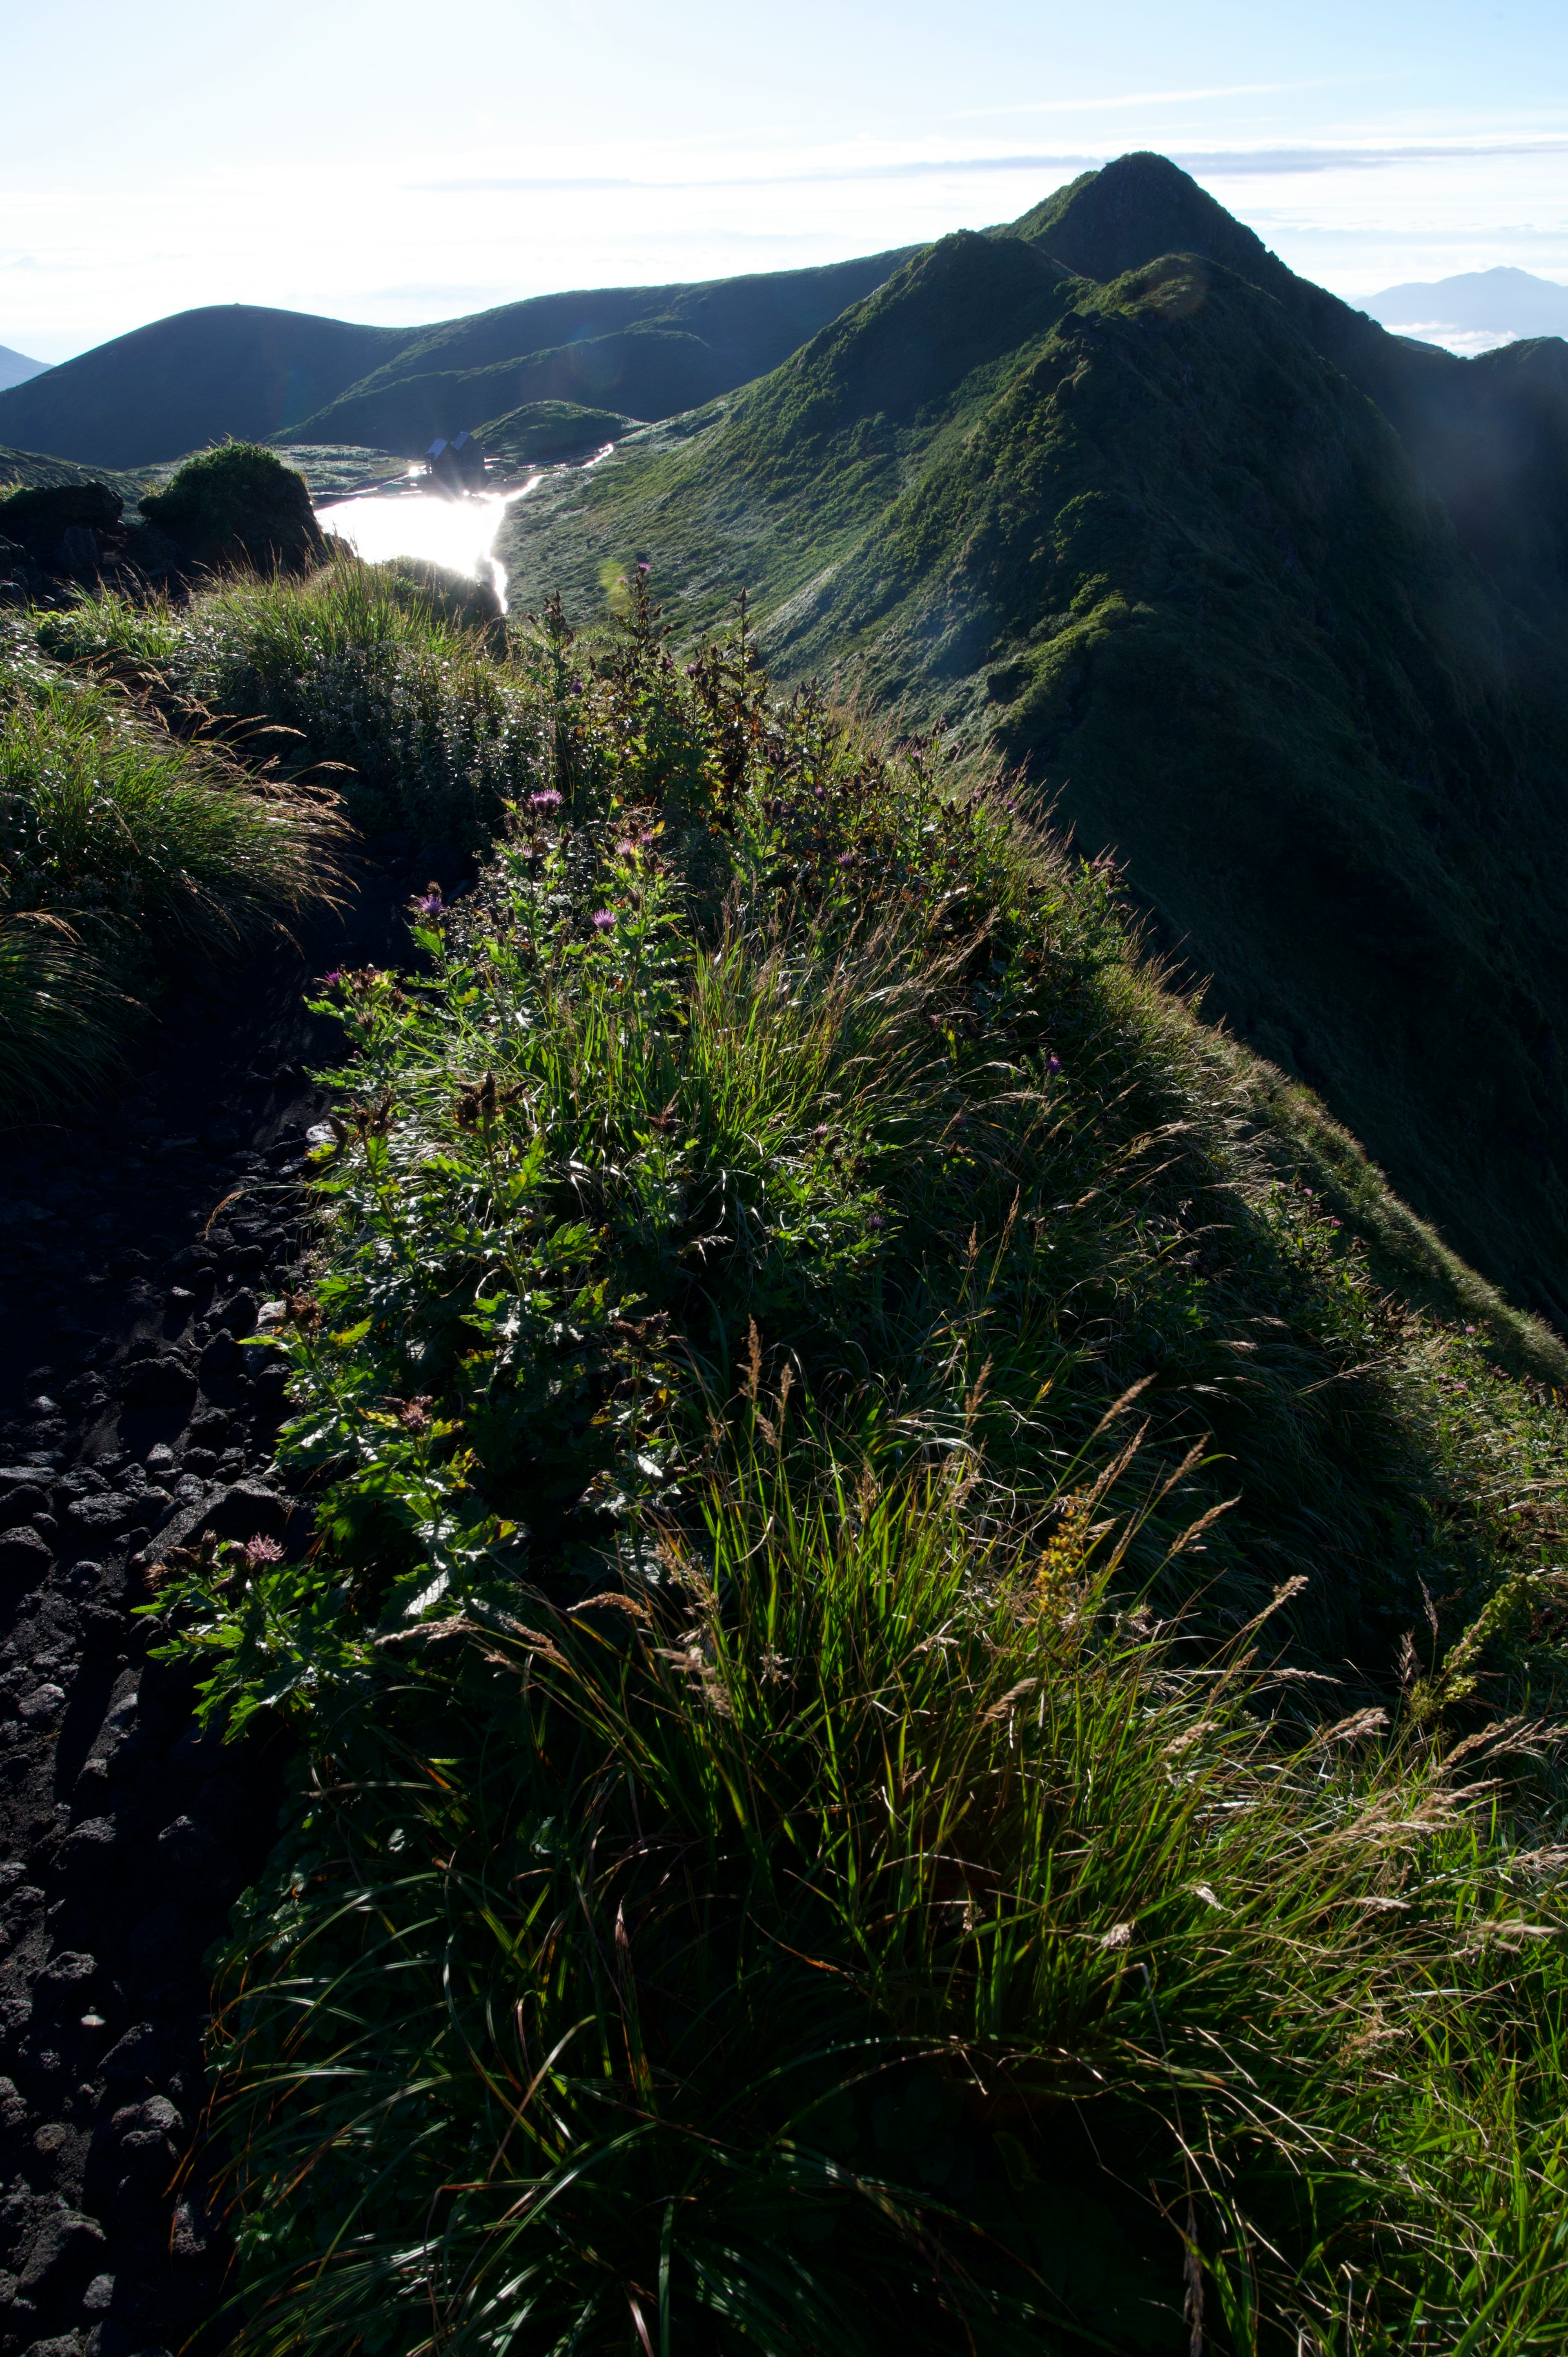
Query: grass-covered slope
point(899, 1676)
point(31, 471)
point(1145, 542)
point(182, 382)
point(235, 370)
point(1489, 437)
point(647, 351)
point(129, 848)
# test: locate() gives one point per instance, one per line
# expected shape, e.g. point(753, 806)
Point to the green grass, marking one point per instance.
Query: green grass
point(127, 854)
point(400, 709)
point(1142, 543)
point(904, 1683)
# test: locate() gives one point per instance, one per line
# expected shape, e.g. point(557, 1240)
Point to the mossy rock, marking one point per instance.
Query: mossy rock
point(238, 505)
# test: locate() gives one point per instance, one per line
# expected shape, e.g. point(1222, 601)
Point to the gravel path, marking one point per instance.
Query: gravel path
point(136, 1247)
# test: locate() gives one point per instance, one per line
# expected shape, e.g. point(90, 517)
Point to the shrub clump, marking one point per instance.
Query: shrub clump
point(238, 505)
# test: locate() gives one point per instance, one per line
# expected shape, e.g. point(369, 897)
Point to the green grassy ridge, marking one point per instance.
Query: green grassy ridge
point(742, 1876)
point(648, 350)
point(1160, 556)
point(1488, 436)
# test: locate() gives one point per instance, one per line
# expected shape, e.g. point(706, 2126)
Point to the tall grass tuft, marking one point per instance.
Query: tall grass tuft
point(125, 852)
point(402, 707)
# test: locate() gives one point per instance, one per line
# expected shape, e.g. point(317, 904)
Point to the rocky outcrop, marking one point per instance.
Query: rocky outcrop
point(53, 539)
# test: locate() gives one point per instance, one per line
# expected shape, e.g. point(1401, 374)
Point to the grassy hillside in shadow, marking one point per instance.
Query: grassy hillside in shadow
point(235, 370)
point(1146, 542)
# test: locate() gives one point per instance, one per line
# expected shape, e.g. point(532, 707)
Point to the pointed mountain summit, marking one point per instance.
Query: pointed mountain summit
point(1486, 435)
point(1137, 521)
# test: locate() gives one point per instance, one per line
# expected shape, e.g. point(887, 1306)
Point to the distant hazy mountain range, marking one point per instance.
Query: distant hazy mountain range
point(1502, 303)
point(279, 376)
point(16, 368)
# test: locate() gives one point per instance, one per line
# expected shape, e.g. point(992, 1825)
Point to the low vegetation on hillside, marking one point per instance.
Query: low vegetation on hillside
point(1143, 542)
point(920, 1684)
point(135, 842)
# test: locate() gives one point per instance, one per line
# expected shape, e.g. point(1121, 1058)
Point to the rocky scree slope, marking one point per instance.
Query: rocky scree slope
point(1148, 543)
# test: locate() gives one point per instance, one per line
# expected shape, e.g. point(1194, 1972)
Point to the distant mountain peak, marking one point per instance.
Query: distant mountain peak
point(1504, 301)
point(16, 368)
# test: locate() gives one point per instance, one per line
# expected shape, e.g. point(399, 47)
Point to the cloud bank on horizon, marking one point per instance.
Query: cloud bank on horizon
point(365, 164)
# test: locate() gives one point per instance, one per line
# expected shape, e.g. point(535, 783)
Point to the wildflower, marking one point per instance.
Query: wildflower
point(327, 979)
point(259, 1550)
point(644, 567)
point(429, 904)
point(626, 850)
point(875, 1221)
point(603, 920)
point(844, 859)
point(547, 800)
point(1053, 1066)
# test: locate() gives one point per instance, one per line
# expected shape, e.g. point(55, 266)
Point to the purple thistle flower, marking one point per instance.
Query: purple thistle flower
point(429, 904)
point(876, 1221)
point(844, 859)
point(261, 1550)
point(644, 567)
point(1053, 1066)
point(549, 800)
point(328, 979)
point(603, 920)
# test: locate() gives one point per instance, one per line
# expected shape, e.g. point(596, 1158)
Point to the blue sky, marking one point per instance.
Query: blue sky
point(399, 163)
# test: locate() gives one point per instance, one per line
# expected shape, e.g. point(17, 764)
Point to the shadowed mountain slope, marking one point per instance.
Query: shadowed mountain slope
point(268, 376)
point(1488, 436)
point(181, 383)
point(1148, 542)
point(645, 352)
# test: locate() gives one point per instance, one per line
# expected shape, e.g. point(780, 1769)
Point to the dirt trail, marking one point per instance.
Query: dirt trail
point(136, 1245)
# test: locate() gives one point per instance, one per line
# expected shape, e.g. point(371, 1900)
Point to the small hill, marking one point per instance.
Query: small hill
point(16, 368)
point(1130, 522)
point(233, 370)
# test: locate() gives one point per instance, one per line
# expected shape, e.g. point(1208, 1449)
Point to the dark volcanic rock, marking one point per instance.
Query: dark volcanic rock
point(40, 519)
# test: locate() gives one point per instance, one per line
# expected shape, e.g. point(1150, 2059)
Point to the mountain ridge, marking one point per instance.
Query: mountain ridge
point(1162, 554)
point(236, 370)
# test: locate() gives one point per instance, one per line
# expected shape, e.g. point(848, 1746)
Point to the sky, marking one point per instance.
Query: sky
point(396, 162)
